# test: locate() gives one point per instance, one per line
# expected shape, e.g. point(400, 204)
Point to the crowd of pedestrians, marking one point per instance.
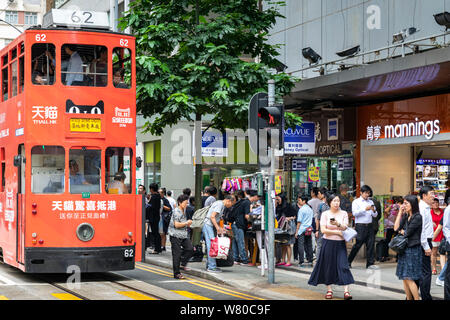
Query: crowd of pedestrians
point(313, 230)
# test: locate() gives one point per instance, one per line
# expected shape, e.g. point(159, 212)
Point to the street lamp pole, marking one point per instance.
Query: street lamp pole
point(11, 25)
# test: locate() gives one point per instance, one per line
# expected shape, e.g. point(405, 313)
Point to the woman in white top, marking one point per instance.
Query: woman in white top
point(332, 265)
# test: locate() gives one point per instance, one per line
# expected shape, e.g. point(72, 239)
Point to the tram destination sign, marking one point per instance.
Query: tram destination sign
point(76, 18)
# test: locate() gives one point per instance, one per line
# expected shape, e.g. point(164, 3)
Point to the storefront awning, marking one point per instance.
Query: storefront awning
point(416, 75)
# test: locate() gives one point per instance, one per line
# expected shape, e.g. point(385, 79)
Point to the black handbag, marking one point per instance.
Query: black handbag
point(256, 225)
point(399, 244)
point(443, 247)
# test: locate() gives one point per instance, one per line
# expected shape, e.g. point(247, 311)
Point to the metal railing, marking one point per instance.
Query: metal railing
point(364, 58)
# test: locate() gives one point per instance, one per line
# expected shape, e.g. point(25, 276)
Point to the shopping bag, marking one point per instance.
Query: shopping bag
point(220, 246)
point(214, 249)
point(223, 248)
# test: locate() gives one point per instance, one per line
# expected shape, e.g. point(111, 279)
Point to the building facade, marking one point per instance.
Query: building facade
point(389, 61)
point(18, 15)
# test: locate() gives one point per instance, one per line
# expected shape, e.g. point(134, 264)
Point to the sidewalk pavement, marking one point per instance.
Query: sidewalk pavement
point(287, 279)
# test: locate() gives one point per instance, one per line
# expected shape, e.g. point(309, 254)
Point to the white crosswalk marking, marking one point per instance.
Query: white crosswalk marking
point(6, 281)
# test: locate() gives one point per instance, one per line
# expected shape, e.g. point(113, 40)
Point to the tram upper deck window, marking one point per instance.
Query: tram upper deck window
point(121, 68)
point(43, 64)
point(84, 170)
point(47, 169)
point(118, 170)
point(84, 65)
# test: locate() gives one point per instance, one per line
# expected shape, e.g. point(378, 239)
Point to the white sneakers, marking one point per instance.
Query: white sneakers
point(439, 282)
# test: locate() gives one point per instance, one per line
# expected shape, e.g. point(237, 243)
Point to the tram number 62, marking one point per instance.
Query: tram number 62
point(128, 253)
point(86, 14)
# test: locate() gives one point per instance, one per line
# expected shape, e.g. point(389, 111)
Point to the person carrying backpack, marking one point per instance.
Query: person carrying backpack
point(238, 218)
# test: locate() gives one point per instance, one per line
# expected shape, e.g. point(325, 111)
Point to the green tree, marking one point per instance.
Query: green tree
point(197, 57)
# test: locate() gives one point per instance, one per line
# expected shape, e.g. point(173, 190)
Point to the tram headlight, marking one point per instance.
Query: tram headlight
point(85, 232)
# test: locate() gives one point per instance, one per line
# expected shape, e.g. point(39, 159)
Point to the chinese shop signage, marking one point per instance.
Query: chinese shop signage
point(412, 129)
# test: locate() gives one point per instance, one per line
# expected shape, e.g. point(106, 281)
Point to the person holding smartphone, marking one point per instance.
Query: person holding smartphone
point(364, 211)
point(332, 266)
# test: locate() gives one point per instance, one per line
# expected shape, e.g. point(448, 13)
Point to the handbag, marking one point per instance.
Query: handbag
point(443, 247)
point(399, 243)
point(308, 231)
point(349, 234)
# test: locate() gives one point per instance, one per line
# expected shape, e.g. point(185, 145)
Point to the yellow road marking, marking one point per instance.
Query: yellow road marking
point(65, 296)
point(154, 271)
point(200, 283)
point(3, 298)
point(135, 295)
point(191, 295)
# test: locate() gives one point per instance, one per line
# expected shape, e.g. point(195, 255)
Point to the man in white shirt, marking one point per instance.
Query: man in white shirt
point(446, 231)
point(74, 75)
point(364, 211)
point(426, 199)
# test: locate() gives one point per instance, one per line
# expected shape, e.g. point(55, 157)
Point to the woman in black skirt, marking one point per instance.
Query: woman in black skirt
point(409, 267)
point(332, 265)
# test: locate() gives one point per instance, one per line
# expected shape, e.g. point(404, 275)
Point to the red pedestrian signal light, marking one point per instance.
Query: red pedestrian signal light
point(272, 115)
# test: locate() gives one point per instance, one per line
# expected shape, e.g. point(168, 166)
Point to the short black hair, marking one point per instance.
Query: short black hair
point(191, 200)
point(163, 190)
point(424, 190)
point(240, 194)
point(187, 191)
point(366, 188)
point(251, 192)
point(212, 190)
point(119, 176)
point(304, 197)
point(229, 197)
point(323, 190)
point(182, 197)
point(153, 186)
point(315, 191)
point(169, 193)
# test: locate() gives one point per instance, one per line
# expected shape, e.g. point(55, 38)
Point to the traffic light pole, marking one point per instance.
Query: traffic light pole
point(270, 190)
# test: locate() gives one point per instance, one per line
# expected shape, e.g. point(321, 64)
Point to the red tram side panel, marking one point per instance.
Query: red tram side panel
point(66, 138)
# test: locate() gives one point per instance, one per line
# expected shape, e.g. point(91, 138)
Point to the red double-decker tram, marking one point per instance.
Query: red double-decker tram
point(67, 152)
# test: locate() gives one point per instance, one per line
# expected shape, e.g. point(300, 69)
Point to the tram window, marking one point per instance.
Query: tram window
point(2, 158)
point(21, 74)
point(5, 60)
point(13, 53)
point(47, 169)
point(14, 79)
point(5, 83)
point(84, 170)
point(118, 170)
point(121, 68)
point(43, 63)
point(84, 65)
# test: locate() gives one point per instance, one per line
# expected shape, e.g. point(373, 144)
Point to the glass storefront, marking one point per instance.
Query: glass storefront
point(332, 172)
point(152, 168)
